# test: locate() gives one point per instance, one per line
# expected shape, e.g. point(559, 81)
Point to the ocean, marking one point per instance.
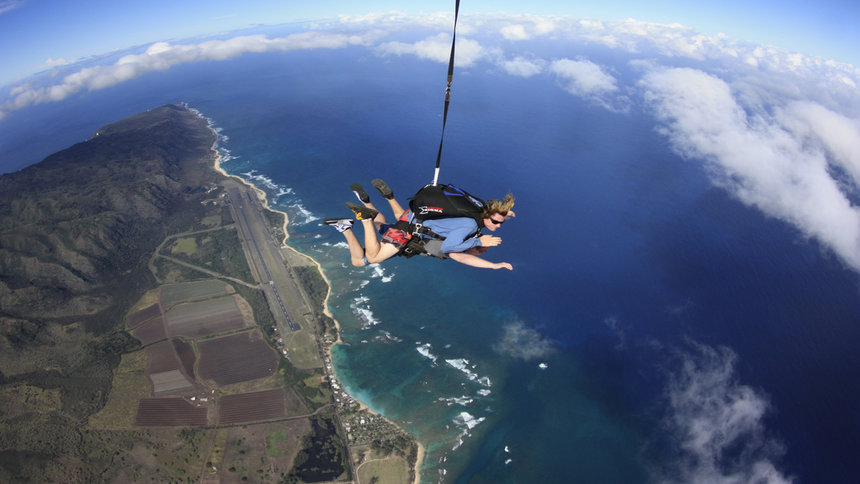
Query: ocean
point(654, 328)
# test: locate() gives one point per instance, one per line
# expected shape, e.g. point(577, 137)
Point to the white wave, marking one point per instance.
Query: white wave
point(261, 180)
point(390, 337)
point(425, 351)
point(364, 314)
point(305, 215)
point(543, 366)
point(379, 272)
point(484, 392)
point(462, 364)
point(467, 422)
point(466, 419)
point(336, 245)
point(462, 401)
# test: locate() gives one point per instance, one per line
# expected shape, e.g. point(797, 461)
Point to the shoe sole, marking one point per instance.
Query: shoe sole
point(383, 188)
point(359, 191)
point(362, 213)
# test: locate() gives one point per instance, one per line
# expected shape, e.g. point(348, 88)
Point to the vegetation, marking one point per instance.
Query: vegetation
point(323, 457)
point(86, 238)
point(76, 234)
point(216, 250)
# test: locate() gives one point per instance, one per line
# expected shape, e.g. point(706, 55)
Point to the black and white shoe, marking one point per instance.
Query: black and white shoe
point(339, 224)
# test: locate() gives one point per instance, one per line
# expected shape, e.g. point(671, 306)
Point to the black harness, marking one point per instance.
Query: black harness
point(429, 245)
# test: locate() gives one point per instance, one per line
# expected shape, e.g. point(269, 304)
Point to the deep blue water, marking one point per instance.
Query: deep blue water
point(650, 298)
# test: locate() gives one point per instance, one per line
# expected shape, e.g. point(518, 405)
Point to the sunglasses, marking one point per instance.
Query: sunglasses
point(497, 222)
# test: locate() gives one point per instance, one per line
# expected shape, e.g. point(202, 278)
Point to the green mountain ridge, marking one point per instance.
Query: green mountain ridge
point(78, 224)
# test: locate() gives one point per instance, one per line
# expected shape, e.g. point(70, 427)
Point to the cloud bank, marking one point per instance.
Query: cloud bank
point(717, 423)
point(782, 164)
point(778, 130)
point(162, 56)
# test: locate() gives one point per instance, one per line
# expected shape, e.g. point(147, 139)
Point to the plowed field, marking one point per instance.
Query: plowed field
point(169, 412)
point(161, 357)
point(236, 358)
point(148, 313)
point(204, 318)
point(251, 407)
point(151, 331)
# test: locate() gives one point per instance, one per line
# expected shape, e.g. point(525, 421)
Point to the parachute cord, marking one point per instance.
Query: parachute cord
point(447, 92)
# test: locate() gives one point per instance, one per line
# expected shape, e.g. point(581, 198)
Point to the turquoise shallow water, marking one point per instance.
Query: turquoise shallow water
point(647, 307)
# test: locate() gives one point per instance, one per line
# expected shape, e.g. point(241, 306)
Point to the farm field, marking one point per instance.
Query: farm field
point(167, 382)
point(236, 358)
point(161, 357)
point(169, 412)
point(205, 318)
point(252, 407)
point(151, 331)
point(186, 355)
point(173, 294)
point(138, 317)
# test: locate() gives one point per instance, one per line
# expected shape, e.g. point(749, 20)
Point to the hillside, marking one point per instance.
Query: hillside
point(78, 224)
point(76, 233)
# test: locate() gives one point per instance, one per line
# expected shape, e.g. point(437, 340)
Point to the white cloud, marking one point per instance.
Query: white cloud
point(162, 56)
point(583, 77)
point(54, 62)
point(437, 48)
point(522, 67)
point(525, 27)
point(515, 32)
point(9, 5)
point(838, 135)
point(761, 159)
point(520, 341)
point(711, 414)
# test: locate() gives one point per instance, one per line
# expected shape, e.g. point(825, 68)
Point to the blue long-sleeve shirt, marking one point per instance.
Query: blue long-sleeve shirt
point(457, 232)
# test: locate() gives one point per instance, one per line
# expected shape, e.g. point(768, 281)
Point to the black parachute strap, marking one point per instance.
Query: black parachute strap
point(415, 229)
point(447, 92)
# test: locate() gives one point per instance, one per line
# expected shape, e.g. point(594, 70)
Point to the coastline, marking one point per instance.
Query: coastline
point(327, 347)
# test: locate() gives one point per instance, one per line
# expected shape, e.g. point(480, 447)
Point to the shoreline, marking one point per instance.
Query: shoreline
point(261, 194)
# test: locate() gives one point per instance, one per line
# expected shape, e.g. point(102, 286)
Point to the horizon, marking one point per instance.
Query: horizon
point(49, 35)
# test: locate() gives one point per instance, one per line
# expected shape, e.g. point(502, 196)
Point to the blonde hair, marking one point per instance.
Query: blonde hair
point(500, 207)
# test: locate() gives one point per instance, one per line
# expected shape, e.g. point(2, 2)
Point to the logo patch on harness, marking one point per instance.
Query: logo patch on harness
point(425, 209)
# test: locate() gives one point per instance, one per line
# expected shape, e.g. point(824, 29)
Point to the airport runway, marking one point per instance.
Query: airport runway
point(267, 263)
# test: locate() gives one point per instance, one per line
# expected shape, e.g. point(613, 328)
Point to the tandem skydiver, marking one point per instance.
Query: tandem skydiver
point(443, 221)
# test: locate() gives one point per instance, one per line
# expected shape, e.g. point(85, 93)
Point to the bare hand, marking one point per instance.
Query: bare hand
point(490, 240)
point(503, 265)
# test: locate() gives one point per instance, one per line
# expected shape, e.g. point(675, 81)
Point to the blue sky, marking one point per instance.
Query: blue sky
point(38, 33)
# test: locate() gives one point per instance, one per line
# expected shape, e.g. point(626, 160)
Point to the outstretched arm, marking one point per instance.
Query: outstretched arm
point(475, 261)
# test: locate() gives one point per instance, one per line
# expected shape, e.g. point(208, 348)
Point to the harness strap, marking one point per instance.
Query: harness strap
point(447, 92)
point(415, 229)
